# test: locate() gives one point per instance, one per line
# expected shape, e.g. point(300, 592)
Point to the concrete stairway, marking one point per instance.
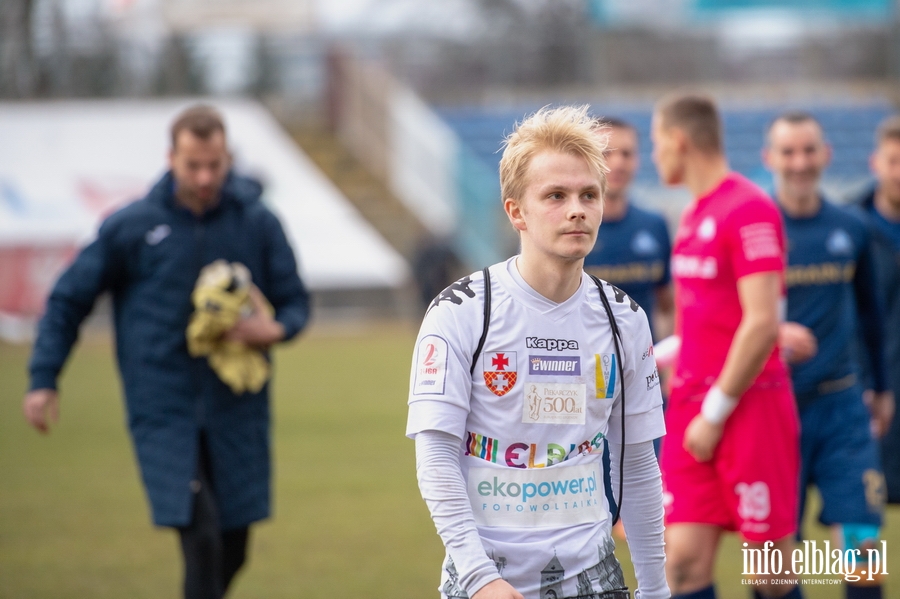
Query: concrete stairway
point(372, 198)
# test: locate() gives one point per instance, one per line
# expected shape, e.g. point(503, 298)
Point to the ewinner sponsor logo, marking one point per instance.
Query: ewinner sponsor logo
point(536, 497)
point(567, 365)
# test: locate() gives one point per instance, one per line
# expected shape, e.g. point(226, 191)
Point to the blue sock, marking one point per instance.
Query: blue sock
point(854, 592)
point(793, 594)
point(707, 593)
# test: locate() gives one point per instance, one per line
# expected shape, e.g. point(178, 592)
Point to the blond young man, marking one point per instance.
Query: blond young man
point(516, 381)
point(731, 398)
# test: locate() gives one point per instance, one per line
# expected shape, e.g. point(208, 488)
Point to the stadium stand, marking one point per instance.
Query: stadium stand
point(849, 127)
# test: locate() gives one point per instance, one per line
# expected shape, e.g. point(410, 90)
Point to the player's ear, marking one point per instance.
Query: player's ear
point(516, 214)
point(681, 139)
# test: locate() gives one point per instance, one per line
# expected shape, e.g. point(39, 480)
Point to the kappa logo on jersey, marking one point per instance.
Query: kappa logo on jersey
point(707, 229)
point(450, 293)
point(606, 375)
point(839, 243)
point(500, 372)
point(754, 501)
point(550, 344)
point(565, 365)
point(621, 296)
point(431, 366)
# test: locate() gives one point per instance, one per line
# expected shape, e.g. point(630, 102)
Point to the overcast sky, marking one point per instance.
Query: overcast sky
point(340, 13)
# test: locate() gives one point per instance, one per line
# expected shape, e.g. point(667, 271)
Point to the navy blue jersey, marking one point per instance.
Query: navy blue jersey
point(832, 290)
point(889, 229)
point(886, 249)
point(633, 254)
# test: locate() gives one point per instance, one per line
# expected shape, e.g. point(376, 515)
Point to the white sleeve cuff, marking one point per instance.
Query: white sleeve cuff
point(638, 427)
point(435, 415)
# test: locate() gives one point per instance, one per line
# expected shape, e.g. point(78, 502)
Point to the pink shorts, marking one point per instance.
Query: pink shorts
point(752, 483)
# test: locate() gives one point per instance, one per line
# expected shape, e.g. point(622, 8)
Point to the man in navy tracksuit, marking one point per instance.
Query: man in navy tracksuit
point(832, 294)
point(880, 207)
point(203, 451)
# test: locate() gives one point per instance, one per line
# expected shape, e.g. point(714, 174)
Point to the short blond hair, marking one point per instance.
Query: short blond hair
point(567, 130)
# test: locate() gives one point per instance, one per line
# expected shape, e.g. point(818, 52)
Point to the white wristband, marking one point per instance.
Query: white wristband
point(717, 406)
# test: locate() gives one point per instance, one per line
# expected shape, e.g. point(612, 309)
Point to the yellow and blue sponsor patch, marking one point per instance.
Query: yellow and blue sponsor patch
point(606, 375)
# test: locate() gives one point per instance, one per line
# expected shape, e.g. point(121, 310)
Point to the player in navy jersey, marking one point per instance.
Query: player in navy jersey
point(880, 207)
point(633, 246)
point(831, 291)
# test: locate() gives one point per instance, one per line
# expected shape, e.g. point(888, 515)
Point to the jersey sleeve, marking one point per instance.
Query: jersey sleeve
point(440, 380)
point(642, 397)
point(754, 238)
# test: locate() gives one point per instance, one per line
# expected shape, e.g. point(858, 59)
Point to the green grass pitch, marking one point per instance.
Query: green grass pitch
point(348, 519)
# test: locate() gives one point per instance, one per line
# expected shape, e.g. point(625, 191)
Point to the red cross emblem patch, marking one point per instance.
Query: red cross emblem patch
point(500, 372)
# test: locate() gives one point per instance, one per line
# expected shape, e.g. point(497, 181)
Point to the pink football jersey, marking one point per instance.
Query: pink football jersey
point(733, 231)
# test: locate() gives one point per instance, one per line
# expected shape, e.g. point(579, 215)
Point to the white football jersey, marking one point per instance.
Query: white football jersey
point(532, 417)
